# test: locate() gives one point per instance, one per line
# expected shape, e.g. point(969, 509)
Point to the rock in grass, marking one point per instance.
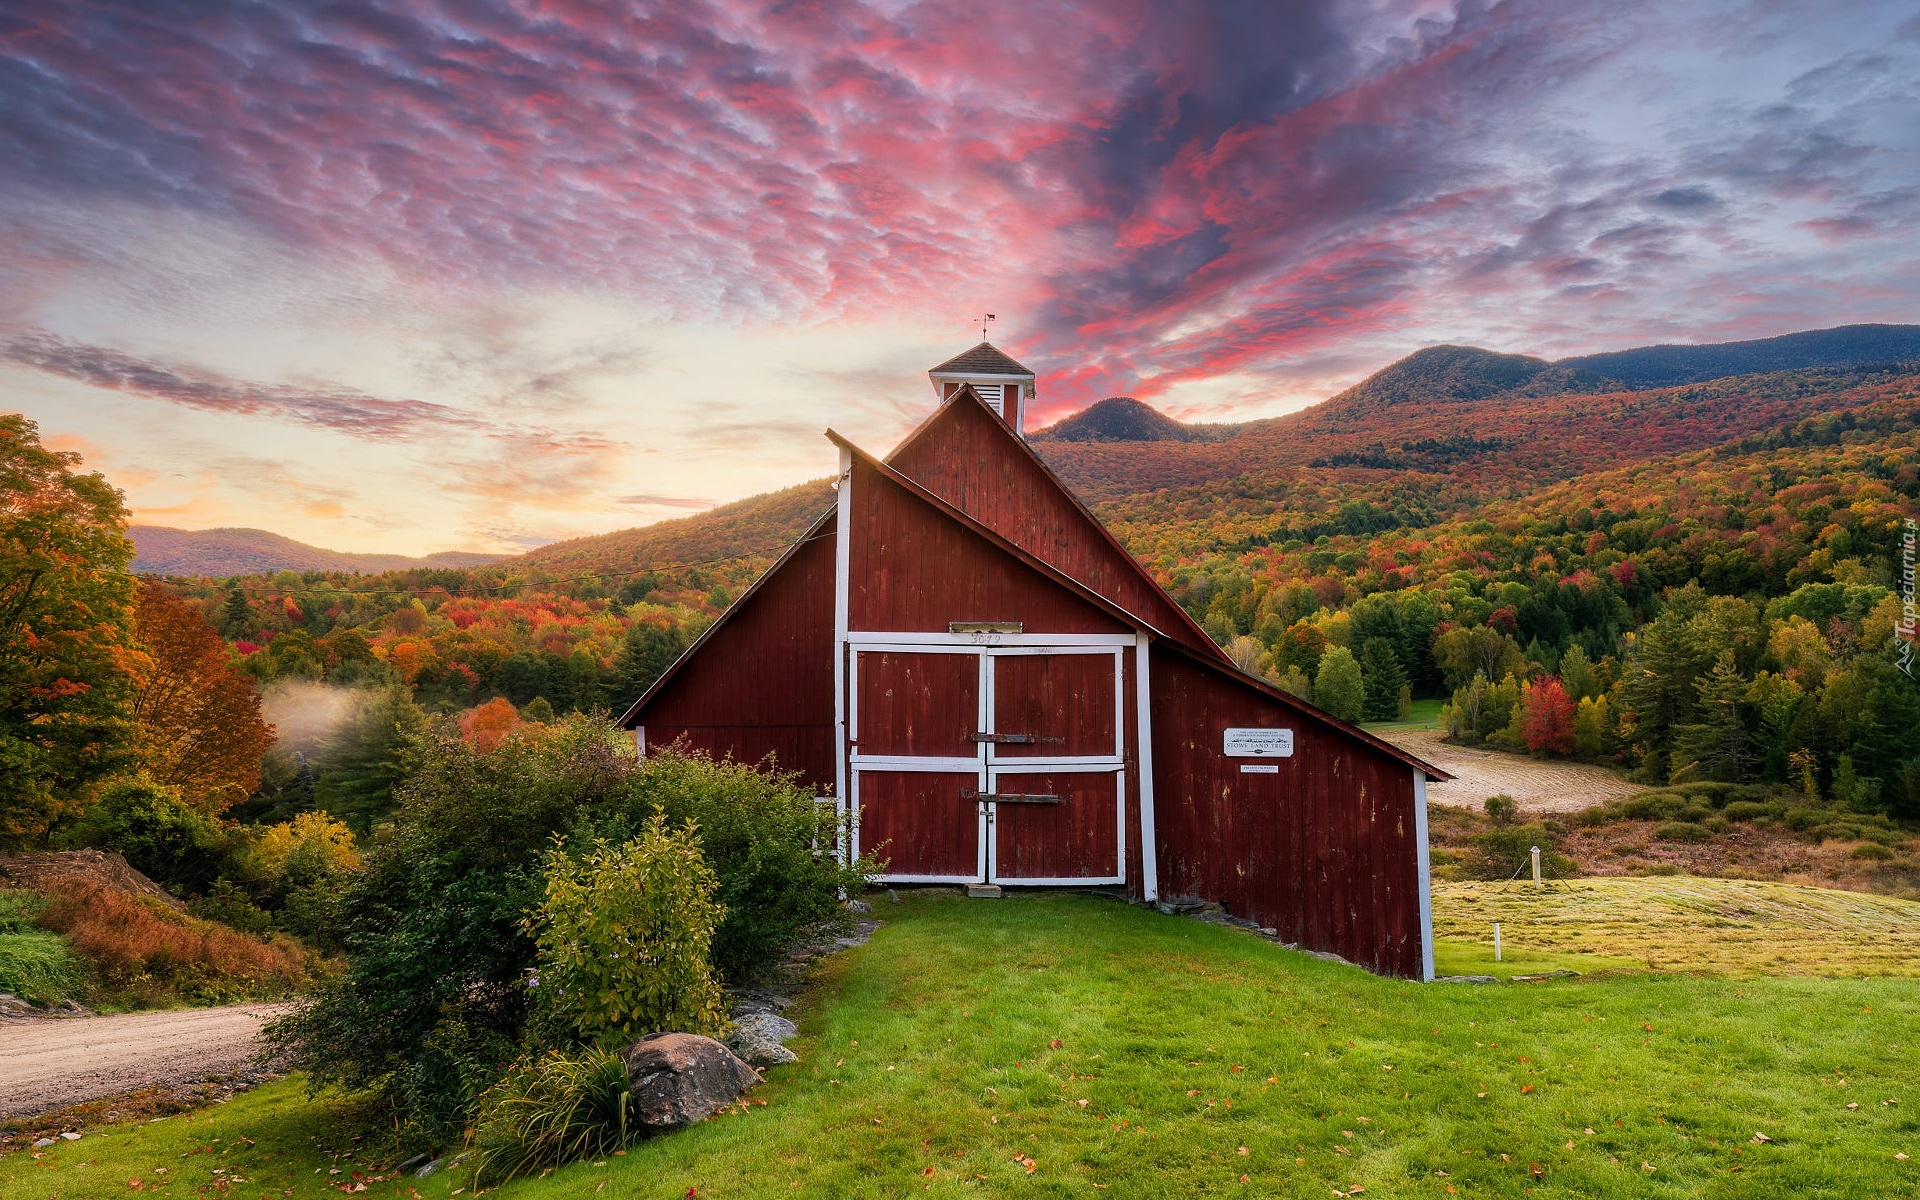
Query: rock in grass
point(679, 1078)
point(756, 1037)
point(1467, 979)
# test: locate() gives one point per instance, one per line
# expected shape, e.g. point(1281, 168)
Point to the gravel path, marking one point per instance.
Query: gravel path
point(1539, 786)
point(47, 1064)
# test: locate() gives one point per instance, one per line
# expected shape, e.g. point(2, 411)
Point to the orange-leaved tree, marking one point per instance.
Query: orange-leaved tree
point(199, 719)
point(64, 601)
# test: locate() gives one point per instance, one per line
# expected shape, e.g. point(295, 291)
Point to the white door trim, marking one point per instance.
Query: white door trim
point(1426, 875)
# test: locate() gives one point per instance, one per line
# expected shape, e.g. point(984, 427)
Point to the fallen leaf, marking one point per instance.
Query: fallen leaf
point(1853, 1106)
point(928, 1172)
point(1759, 1137)
point(1481, 1095)
point(1646, 1166)
point(1588, 1131)
point(1054, 1044)
point(1536, 1170)
point(1243, 1150)
point(1900, 1157)
point(1347, 1133)
point(1569, 1143)
point(1193, 1091)
point(693, 1191)
point(1081, 1103)
point(1526, 1088)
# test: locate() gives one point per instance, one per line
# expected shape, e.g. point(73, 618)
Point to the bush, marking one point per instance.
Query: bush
point(1683, 831)
point(1506, 851)
point(1501, 809)
point(156, 831)
point(764, 838)
point(1746, 810)
point(139, 947)
point(1872, 850)
point(623, 936)
point(551, 1111)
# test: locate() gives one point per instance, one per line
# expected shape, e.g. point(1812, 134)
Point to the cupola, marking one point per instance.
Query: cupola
point(1004, 384)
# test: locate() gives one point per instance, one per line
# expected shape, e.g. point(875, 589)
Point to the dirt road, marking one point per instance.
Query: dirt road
point(1539, 786)
point(47, 1064)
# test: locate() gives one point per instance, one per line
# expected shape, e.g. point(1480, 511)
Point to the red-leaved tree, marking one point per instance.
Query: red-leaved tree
point(1547, 717)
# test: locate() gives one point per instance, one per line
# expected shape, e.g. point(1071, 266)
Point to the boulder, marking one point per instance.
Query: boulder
point(756, 1037)
point(679, 1078)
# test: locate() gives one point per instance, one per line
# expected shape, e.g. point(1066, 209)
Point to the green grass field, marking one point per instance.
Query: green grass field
point(1065, 1045)
point(1425, 714)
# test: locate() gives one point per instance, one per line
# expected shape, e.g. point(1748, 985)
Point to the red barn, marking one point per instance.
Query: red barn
point(985, 679)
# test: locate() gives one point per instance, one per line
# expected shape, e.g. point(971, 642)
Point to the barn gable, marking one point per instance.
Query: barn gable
point(974, 461)
point(779, 632)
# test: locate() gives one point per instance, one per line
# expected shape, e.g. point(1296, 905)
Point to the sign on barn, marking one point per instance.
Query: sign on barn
point(994, 691)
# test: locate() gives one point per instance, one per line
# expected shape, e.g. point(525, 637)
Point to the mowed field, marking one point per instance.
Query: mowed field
point(1068, 1045)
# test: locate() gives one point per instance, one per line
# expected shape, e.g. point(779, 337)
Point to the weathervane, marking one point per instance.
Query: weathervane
point(983, 321)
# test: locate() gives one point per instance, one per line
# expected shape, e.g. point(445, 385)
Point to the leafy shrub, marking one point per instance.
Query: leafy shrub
point(623, 937)
point(1506, 851)
point(551, 1111)
point(139, 947)
point(1746, 810)
point(1501, 809)
point(763, 836)
point(1872, 850)
point(433, 1003)
point(1683, 831)
point(157, 832)
point(299, 867)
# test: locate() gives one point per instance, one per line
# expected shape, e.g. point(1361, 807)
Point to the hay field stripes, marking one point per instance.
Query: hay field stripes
point(1540, 786)
point(1684, 923)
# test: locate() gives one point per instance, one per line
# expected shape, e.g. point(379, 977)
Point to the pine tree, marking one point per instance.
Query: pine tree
point(1382, 677)
point(236, 615)
point(1717, 741)
point(644, 656)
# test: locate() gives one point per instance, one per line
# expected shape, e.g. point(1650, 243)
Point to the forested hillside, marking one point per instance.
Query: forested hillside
point(1520, 538)
point(159, 550)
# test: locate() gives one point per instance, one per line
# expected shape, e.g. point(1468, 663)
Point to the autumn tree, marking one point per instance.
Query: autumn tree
point(1547, 720)
point(1383, 678)
point(199, 719)
point(65, 612)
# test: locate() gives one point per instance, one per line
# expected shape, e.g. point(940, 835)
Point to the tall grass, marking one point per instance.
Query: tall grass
point(35, 965)
point(142, 949)
point(551, 1111)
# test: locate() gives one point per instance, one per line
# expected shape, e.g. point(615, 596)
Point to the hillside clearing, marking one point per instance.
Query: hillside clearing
point(1056, 1045)
point(1540, 785)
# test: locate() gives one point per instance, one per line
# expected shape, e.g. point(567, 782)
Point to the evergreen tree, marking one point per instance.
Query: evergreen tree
point(1339, 688)
point(1576, 674)
point(368, 753)
point(1383, 676)
point(236, 615)
point(646, 653)
point(1717, 742)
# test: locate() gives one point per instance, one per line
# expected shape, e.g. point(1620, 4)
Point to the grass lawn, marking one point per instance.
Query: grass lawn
point(1061, 1045)
point(1425, 714)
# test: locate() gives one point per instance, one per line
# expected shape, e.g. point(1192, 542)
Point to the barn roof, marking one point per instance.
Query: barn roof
point(1185, 629)
point(984, 359)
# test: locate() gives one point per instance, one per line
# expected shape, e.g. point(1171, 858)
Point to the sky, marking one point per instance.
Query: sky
point(406, 277)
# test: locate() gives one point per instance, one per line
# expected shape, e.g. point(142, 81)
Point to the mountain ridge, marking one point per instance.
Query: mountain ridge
point(241, 550)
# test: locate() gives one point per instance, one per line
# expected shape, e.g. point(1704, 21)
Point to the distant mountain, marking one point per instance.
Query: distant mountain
point(160, 550)
point(1450, 374)
point(1124, 419)
point(1667, 366)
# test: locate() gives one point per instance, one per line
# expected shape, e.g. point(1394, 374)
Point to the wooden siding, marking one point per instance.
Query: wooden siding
point(979, 466)
point(917, 704)
point(1078, 838)
point(920, 822)
point(1063, 701)
point(764, 684)
point(1325, 850)
point(915, 569)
